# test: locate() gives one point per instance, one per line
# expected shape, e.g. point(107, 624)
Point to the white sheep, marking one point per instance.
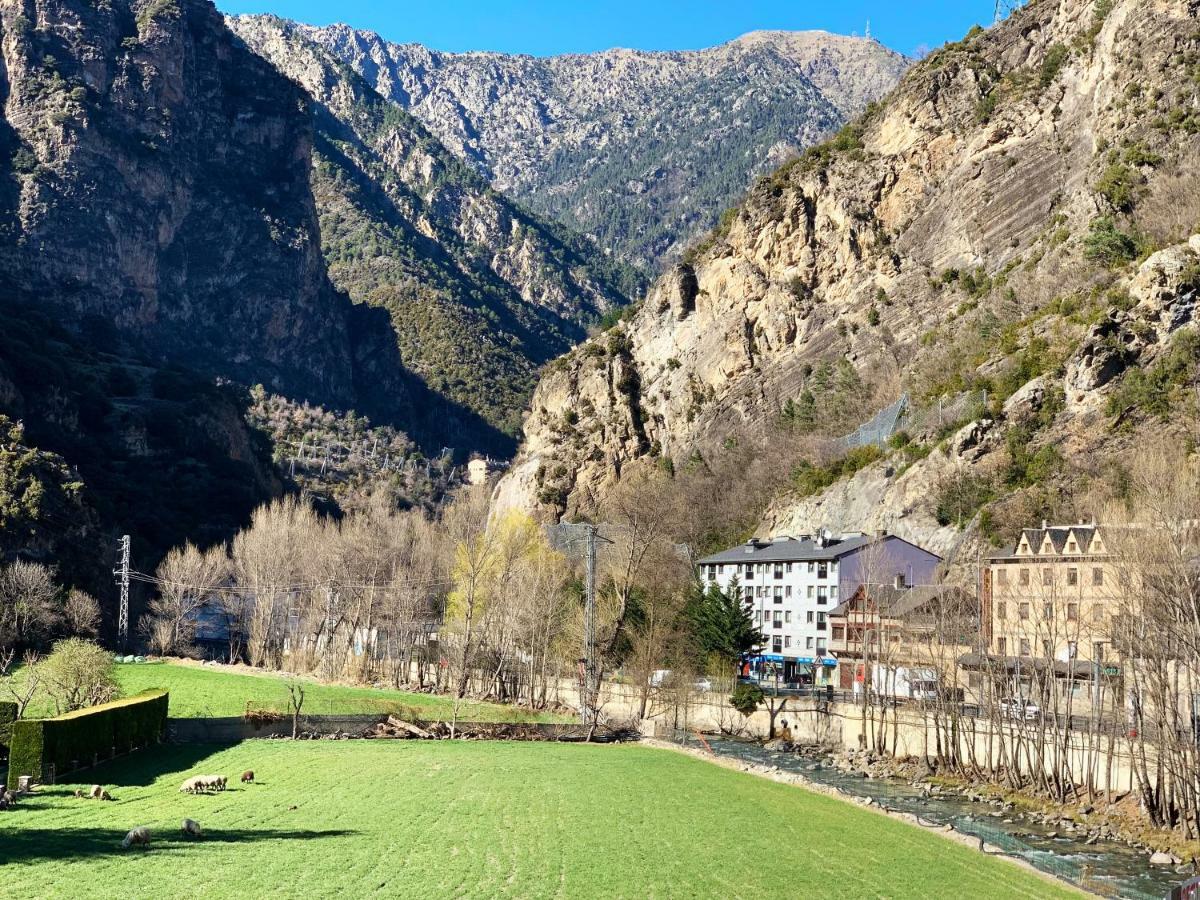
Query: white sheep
point(190, 827)
point(95, 792)
point(191, 786)
point(139, 835)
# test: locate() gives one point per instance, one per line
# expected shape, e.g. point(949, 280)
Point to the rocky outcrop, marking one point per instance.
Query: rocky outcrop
point(955, 244)
point(637, 149)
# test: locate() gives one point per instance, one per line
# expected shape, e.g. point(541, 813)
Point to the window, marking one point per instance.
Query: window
point(1023, 611)
point(839, 632)
point(748, 593)
point(1072, 576)
point(1023, 577)
point(822, 570)
point(787, 591)
point(788, 567)
point(777, 644)
point(1097, 612)
point(812, 566)
point(787, 640)
point(1072, 649)
point(820, 621)
point(1072, 612)
point(822, 594)
point(1047, 648)
point(778, 595)
point(1047, 611)
point(821, 646)
point(778, 570)
point(1002, 576)
point(758, 616)
point(712, 573)
point(810, 617)
point(1072, 546)
point(1001, 645)
point(1001, 610)
point(1097, 576)
point(749, 572)
point(1047, 577)
point(808, 643)
point(777, 620)
point(1098, 651)
point(787, 616)
point(1024, 646)
point(760, 591)
point(810, 592)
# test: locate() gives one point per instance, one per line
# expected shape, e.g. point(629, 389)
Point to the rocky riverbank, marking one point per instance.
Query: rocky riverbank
point(1117, 817)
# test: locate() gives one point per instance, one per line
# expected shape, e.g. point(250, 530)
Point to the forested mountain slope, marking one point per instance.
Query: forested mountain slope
point(1003, 240)
point(480, 291)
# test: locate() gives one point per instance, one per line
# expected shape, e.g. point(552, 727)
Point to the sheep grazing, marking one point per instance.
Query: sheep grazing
point(95, 792)
point(221, 782)
point(78, 794)
point(191, 786)
point(4, 804)
point(190, 828)
point(8, 797)
point(248, 776)
point(105, 795)
point(139, 835)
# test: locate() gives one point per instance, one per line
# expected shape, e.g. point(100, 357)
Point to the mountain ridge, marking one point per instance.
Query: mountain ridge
point(571, 135)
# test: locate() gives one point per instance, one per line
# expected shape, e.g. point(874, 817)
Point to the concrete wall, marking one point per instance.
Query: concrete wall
point(231, 729)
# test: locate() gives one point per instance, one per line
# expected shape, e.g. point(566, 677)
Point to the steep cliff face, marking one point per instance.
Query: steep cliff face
point(480, 292)
point(637, 149)
point(980, 231)
point(158, 177)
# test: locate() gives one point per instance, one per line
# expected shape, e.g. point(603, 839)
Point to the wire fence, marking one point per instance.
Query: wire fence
point(902, 415)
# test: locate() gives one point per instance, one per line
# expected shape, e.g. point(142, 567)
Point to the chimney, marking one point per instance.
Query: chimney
point(1044, 525)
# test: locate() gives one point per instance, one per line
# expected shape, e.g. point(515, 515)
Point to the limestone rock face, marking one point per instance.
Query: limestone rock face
point(637, 149)
point(944, 244)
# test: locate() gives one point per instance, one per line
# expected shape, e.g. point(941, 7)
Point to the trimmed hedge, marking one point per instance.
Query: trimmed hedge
point(8, 715)
point(77, 739)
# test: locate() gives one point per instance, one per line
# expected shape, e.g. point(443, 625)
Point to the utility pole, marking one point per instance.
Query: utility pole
point(123, 615)
point(587, 706)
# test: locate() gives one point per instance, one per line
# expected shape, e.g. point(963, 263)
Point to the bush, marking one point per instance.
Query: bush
point(1108, 245)
point(1052, 63)
point(959, 497)
point(1118, 184)
point(746, 698)
point(74, 740)
point(810, 479)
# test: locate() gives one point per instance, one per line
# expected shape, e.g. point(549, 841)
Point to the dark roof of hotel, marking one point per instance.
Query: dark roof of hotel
point(797, 549)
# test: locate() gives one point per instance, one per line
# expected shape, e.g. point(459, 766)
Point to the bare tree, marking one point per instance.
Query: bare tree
point(82, 613)
point(28, 612)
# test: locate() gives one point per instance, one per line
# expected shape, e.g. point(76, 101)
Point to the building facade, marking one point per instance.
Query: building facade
point(1053, 596)
point(791, 584)
point(903, 640)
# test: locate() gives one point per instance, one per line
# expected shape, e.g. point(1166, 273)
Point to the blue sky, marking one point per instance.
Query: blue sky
point(544, 27)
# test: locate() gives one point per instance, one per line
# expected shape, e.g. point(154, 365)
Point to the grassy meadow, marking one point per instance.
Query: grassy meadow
point(474, 819)
point(209, 691)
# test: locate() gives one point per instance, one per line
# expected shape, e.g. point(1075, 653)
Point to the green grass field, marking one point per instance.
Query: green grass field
point(200, 691)
point(474, 819)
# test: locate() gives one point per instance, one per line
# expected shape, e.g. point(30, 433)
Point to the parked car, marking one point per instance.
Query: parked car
point(702, 685)
point(659, 677)
point(1020, 709)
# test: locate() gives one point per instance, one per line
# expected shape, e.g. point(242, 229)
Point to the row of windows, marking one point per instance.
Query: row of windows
point(780, 642)
point(1024, 611)
point(779, 618)
point(779, 594)
point(1024, 647)
point(775, 570)
point(1023, 576)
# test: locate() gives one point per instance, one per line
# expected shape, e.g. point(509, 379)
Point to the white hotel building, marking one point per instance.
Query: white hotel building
point(792, 583)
